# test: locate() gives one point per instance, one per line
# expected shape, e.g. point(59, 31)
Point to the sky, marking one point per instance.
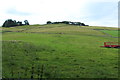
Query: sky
point(90, 12)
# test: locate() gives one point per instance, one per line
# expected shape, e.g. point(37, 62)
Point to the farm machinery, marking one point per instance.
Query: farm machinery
point(111, 45)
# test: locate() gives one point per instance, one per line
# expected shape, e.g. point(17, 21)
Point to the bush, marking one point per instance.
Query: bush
point(9, 23)
point(49, 22)
point(26, 22)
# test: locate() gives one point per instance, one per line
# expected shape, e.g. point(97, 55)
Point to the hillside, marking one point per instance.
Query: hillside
point(59, 51)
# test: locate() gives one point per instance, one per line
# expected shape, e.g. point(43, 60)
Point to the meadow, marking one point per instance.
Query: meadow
point(113, 33)
point(58, 51)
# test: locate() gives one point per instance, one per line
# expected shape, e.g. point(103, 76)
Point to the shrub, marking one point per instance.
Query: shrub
point(9, 23)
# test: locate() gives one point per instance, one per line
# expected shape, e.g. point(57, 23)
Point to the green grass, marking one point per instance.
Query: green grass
point(113, 33)
point(73, 55)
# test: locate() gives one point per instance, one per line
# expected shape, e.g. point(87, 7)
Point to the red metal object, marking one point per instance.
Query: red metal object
point(111, 44)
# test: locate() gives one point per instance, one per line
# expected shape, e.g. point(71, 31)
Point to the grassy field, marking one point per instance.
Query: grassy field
point(113, 33)
point(58, 51)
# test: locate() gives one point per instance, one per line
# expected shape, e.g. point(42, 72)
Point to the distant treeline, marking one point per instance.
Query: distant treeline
point(67, 22)
point(11, 23)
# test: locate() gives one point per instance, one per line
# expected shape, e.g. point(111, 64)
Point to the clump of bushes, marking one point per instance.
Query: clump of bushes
point(12, 23)
point(67, 22)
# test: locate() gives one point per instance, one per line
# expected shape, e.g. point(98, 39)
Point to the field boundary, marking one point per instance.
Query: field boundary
point(102, 32)
point(63, 33)
point(108, 34)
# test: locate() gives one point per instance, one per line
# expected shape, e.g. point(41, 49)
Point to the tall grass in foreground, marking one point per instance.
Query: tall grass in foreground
point(23, 60)
point(20, 60)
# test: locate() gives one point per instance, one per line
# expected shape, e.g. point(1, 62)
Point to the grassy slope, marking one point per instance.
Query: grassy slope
point(74, 54)
point(113, 33)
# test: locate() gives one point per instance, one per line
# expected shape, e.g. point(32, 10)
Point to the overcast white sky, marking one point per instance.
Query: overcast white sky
point(90, 12)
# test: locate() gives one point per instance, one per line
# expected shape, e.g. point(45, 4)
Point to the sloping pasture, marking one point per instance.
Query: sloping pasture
point(64, 52)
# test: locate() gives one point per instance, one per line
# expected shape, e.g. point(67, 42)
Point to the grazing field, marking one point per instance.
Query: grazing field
point(113, 33)
point(58, 51)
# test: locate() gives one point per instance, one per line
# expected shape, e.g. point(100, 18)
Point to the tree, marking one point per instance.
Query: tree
point(26, 22)
point(49, 22)
point(65, 22)
point(82, 24)
point(55, 22)
point(19, 23)
point(78, 23)
point(9, 23)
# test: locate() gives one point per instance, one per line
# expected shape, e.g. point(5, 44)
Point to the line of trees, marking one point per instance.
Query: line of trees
point(11, 23)
point(67, 22)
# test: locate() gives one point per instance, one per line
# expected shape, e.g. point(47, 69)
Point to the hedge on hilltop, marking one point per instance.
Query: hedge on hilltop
point(67, 22)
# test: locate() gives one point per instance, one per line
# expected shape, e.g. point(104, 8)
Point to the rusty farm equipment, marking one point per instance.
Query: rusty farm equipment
point(111, 45)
